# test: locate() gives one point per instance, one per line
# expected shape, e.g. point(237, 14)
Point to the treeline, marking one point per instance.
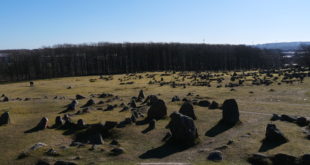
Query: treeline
point(303, 55)
point(110, 58)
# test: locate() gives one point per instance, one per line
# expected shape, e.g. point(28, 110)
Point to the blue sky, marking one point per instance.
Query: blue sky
point(37, 23)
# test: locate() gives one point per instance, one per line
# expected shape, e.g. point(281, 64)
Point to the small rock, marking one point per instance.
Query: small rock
point(215, 156)
point(23, 155)
point(117, 151)
point(302, 121)
point(37, 145)
point(64, 163)
point(42, 162)
point(259, 159)
point(114, 142)
point(204, 103)
point(283, 159)
point(52, 152)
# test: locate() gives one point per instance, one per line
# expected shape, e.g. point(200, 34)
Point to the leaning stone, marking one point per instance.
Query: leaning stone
point(273, 134)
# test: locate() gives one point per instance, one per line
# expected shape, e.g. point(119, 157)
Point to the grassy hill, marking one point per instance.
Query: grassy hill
point(256, 109)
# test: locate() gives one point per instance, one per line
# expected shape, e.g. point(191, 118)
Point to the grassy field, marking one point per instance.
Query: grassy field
point(256, 109)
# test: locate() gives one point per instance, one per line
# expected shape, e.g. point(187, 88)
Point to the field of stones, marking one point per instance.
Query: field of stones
point(243, 117)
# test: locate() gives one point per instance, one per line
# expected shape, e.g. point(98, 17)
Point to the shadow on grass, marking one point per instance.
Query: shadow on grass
point(267, 145)
point(143, 122)
point(146, 130)
point(35, 129)
point(219, 128)
point(165, 150)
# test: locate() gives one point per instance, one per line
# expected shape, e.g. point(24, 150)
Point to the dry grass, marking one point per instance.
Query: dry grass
point(286, 99)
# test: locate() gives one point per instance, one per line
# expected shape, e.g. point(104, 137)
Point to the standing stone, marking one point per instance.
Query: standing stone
point(43, 123)
point(150, 100)
point(72, 105)
point(95, 139)
point(158, 110)
point(89, 103)
point(188, 110)
point(213, 105)
point(81, 123)
point(133, 104)
point(58, 122)
point(152, 124)
point(5, 118)
point(40, 126)
point(230, 114)
point(273, 134)
point(133, 118)
point(175, 98)
point(305, 159)
point(141, 95)
point(182, 128)
point(5, 99)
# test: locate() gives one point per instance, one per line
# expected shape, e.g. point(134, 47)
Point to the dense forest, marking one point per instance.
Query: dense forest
point(111, 58)
point(303, 55)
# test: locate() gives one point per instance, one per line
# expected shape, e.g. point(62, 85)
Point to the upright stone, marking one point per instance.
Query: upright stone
point(158, 110)
point(58, 121)
point(43, 123)
point(188, 110)
point(141, 95)
point(182, 128)
point(230, 114)
point(5, 118)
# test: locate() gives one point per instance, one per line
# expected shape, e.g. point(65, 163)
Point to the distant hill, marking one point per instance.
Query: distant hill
point(284, 46)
